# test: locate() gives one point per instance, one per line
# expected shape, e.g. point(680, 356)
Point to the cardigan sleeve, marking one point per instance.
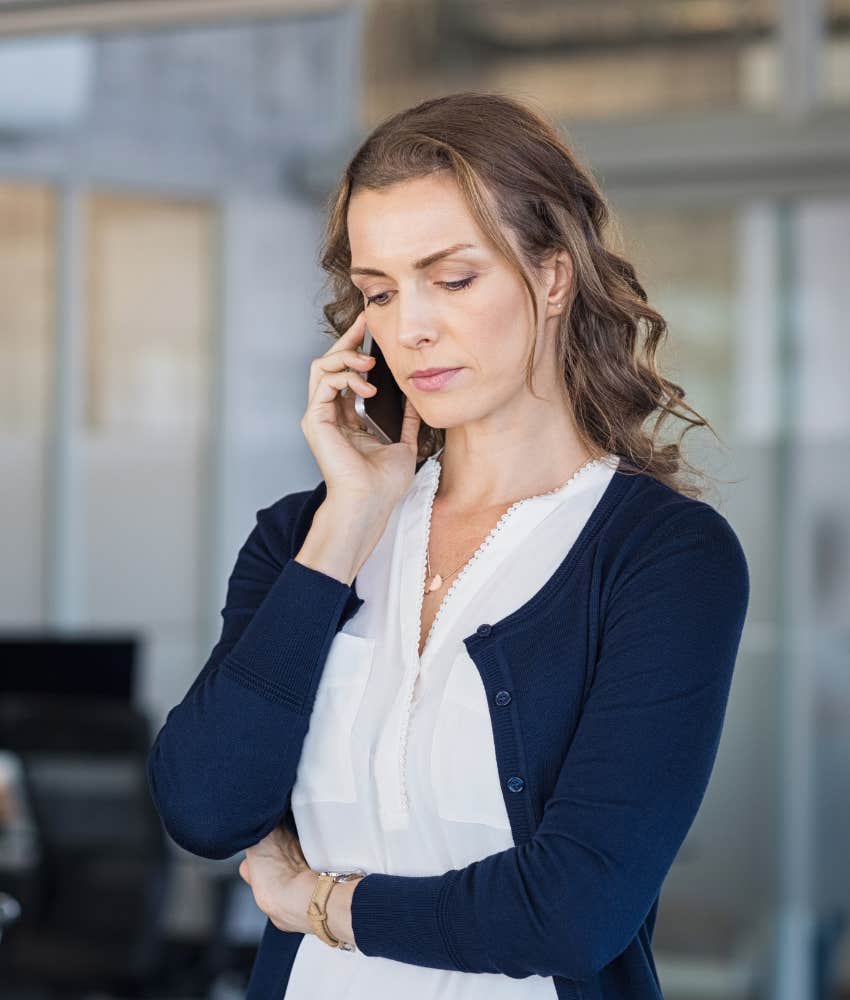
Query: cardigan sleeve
point(222, 767)
point(572, 898)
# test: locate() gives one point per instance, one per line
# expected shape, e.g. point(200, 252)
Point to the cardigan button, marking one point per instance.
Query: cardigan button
point(484, 629)
point(503, 697)
point(516, 784)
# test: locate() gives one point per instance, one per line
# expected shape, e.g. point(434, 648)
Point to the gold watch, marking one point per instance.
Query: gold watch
point(317, 910)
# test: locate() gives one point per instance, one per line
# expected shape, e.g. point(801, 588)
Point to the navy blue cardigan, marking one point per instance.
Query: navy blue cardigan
point(618, 670)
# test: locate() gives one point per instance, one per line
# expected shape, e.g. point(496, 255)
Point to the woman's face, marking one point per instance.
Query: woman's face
point(465, 310)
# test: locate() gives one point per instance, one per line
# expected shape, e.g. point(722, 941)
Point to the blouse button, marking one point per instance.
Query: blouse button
point(503, 697)
point(516, 784)
point(484, 629)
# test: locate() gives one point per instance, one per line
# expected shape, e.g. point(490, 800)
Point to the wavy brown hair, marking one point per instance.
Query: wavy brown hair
point(516, 172)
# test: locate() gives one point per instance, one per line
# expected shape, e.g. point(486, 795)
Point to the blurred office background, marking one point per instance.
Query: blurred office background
point(164, 166)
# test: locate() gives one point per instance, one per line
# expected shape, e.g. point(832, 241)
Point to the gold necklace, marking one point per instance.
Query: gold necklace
point(437, 580)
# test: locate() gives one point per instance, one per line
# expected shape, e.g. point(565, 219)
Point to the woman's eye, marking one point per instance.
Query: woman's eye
point(452, 286)
point(456, 286)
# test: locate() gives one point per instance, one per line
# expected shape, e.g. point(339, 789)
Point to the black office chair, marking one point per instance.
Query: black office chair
point(104, 869)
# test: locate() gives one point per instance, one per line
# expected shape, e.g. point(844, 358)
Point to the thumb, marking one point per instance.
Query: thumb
point(410, 424)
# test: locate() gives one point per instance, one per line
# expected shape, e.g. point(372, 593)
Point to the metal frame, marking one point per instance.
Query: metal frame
point(726, 155)
point(24, 17)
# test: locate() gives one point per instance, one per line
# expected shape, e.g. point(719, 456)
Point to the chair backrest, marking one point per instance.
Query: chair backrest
point(104, 852)
point(85, 773)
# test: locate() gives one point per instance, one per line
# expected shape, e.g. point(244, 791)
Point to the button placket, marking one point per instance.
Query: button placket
point(510, 750)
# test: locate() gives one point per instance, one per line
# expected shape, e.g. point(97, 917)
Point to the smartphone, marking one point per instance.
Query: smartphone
point(382, 413)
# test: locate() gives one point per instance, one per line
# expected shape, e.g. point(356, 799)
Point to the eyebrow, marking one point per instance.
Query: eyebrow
point(418, 265)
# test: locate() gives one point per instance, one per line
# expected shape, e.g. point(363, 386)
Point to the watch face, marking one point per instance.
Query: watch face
point(345, 876)
point(348, 876)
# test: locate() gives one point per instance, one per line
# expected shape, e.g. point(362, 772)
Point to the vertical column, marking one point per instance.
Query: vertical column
point(793, 963)
point(63, 548)
point(801, 56)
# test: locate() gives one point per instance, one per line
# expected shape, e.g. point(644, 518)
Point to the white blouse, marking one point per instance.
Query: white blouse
point(398, 769)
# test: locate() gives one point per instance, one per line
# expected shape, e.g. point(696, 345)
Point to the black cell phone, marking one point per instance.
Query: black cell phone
point(382, 413)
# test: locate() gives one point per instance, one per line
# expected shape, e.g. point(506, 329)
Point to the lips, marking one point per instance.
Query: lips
point(429, 383)
point(421, 372)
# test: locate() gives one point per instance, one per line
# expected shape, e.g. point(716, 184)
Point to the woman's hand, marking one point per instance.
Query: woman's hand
point(281, 879)
point(354, 464)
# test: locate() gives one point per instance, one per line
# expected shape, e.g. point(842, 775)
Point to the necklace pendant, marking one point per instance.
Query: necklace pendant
point(436, 582)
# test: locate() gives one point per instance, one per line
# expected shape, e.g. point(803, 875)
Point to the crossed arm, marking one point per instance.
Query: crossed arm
point(572, 898)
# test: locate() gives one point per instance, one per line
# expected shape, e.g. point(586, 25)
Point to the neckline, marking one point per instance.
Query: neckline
point(432, 484)
point(618, 486)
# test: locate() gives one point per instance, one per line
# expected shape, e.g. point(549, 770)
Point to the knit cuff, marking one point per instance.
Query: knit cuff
point(408, 919)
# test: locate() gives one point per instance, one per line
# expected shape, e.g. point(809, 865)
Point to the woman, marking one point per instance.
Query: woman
point(487, 665)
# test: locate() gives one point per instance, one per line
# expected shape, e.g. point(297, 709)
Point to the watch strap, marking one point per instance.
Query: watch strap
point(317, 909)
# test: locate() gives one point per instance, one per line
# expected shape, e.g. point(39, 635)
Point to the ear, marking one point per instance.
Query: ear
point(561, 266)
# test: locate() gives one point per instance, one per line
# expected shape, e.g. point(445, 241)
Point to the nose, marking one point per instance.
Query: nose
point(415, 324)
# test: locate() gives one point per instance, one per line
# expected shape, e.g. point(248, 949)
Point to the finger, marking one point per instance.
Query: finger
point(354, 334)
point(352, 337)
point(344, 357)
point(330, 385)
point(348, 419)
point(362, 363)
point(337, 360)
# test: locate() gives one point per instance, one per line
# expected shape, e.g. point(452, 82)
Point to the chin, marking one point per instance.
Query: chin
point(442, 422)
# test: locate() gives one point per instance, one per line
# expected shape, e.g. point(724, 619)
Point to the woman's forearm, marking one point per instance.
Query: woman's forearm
point(337, 543)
